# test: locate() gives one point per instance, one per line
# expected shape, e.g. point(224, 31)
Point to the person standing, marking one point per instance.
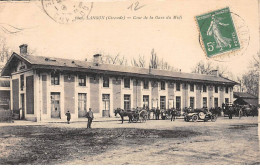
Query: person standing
point(90, 117)
point(157, 114)
point(173, 114)
point(68, 116)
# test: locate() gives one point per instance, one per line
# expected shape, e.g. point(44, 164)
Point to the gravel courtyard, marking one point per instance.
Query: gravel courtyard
point(225, 141)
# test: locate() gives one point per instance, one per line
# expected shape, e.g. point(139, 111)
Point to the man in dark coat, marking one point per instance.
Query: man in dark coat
point(68, 116)
point(90, 117)
point(157, 113)
point(173, 114)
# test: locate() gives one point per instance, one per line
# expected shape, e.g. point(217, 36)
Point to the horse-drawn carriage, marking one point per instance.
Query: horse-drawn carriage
point(134, 115)
point(231, 110)
point(249, 110)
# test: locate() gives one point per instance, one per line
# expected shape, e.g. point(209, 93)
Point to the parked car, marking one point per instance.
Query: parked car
point(202, 114)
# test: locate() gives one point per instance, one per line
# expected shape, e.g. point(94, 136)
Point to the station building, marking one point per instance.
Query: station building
point(45, 88)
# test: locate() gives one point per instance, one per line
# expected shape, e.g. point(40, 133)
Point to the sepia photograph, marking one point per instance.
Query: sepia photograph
point(129, 82)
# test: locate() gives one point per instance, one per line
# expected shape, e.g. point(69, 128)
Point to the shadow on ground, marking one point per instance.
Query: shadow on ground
point(54, 145)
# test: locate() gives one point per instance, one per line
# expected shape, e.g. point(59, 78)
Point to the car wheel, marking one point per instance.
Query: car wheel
point(195, 118)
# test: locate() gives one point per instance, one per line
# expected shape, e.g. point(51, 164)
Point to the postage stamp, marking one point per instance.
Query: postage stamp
point(218, 32)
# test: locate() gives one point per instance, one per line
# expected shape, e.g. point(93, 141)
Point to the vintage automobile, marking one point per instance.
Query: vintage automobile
point(199, 114)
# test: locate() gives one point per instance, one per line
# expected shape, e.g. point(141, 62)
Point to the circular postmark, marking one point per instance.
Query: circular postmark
point(67, 11)
point(243, 34)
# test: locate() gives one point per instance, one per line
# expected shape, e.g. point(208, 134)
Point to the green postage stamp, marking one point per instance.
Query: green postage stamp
point(218, 32)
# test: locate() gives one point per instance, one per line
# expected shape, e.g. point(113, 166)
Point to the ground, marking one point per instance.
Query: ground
point(225, 141)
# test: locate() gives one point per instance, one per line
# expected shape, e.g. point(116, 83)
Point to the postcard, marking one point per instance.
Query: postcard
point(129, 82)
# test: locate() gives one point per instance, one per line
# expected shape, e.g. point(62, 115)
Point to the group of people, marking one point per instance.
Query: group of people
point(89, 115)
point(157, 112)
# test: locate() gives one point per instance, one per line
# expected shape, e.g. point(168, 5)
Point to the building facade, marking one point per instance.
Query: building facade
point(45, 88)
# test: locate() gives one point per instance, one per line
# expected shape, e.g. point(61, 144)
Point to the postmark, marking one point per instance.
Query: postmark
point(67, 11)
point(218, 33)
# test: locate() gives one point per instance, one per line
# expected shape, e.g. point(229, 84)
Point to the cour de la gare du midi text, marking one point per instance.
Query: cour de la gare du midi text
point(175, 17)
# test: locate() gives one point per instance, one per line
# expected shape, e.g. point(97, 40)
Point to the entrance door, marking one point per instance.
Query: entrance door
point(55, 105)
point(106, 105)
point(22, 104)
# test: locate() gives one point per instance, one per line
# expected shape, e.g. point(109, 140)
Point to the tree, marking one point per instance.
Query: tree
point(251, 78)
point(166, 66)
point(156, 64)
point(153, 60)
point(5, 51)
point(250, 81)
point(208, 67)
point(138, 63)
point(110, 59)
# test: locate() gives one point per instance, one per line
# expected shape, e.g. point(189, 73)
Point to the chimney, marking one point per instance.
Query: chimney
point(23, 49)
point(97, 59)
point(215, 73)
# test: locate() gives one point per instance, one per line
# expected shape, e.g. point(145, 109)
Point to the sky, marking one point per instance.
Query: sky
point(174, 40)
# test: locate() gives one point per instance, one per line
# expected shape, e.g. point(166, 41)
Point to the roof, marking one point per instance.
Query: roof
point(242, 101)
point(251, 101)
point(40, 62)
point(244, 95)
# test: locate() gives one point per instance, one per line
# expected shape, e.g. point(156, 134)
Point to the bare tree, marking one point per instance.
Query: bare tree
point(110, 59)
point(250, 79)
point(153, 60)
point(122, 61)
point(155, 63)
point(255, 63)
point(5, 51)
point(166, 66)
point(208, 67)
point(138, 63)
